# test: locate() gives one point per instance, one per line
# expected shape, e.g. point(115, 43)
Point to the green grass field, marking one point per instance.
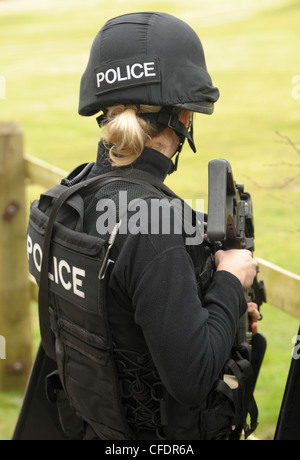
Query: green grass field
point(252, 50)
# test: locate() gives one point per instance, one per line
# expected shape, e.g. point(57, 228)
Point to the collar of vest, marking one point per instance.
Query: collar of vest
point(150, 160)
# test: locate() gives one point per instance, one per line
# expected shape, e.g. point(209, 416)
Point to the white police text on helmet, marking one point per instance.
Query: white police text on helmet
point(71, 278)
point(127, 72)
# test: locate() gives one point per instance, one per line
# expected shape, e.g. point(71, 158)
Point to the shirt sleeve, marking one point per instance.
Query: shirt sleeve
point(189, 340)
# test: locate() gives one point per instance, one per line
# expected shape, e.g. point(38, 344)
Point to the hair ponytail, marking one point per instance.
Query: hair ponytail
point(127, 133)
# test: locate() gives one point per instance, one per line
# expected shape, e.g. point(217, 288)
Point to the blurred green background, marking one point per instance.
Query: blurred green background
point(252, 52)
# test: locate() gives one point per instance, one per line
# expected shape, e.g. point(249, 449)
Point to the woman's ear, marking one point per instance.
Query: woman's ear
point(185, 118)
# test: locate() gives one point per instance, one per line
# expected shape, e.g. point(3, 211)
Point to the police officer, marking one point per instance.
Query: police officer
point(147, 75)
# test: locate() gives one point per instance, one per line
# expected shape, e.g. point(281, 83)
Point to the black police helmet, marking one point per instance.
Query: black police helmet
point(147, 58)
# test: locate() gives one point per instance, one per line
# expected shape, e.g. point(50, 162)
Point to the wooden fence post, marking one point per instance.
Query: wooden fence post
point(15, 321)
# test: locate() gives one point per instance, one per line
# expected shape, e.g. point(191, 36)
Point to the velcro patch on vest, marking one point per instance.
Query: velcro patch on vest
point(142, 70)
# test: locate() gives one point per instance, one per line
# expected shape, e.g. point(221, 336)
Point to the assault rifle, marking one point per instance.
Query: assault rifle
point(230, 225)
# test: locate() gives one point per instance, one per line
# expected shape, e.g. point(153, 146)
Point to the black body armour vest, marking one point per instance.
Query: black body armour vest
point(117, 392)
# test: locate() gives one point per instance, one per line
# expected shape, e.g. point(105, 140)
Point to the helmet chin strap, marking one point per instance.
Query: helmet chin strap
point(177, 153)
point(167, 117)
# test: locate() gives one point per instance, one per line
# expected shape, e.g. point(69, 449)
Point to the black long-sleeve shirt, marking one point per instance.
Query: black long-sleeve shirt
point(156, 299)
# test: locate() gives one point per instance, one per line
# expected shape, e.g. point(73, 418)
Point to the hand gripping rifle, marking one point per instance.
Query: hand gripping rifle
point(230, 225)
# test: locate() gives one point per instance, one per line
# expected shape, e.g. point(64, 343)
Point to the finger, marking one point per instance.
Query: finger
point(253, 311)
point(254, 315)
point(252, 306)
point(254, 328)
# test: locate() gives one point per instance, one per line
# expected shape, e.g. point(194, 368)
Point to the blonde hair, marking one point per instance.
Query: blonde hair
point(126, 133)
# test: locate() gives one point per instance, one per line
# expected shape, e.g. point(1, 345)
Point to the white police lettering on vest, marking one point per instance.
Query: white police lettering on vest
point(64, 274)
point(126, 73)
